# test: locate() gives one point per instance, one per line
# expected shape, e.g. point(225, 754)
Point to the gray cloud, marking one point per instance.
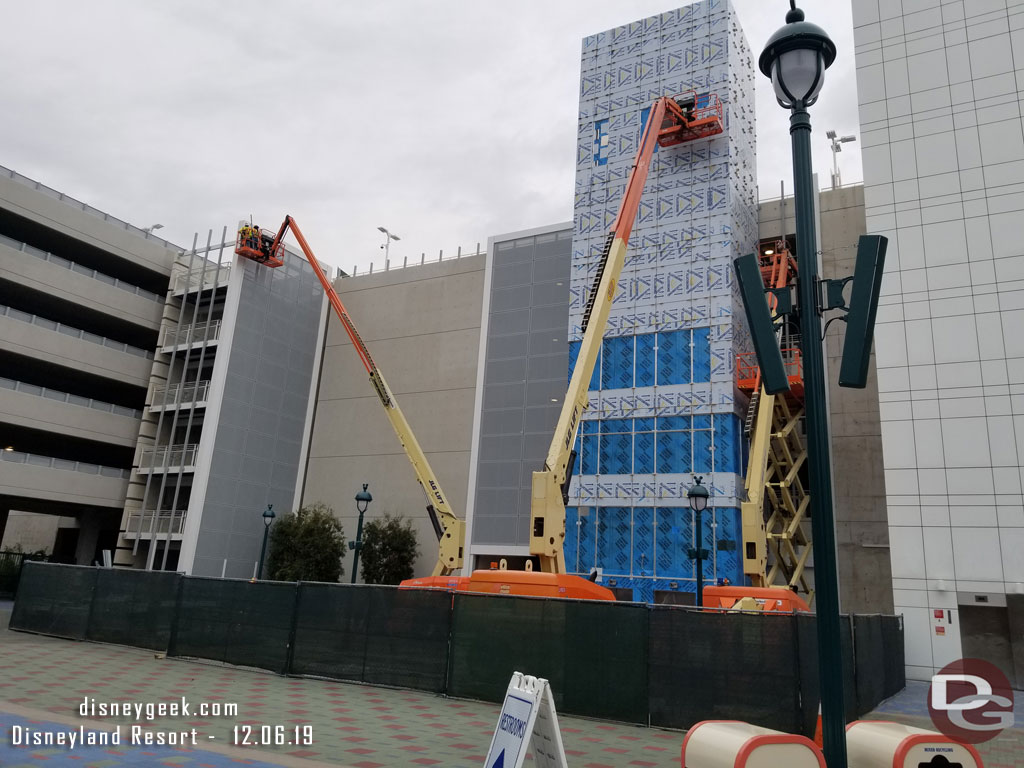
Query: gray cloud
point(444, 120)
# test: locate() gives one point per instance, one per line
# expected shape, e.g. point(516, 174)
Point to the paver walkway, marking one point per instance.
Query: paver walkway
point(910, 707)
point(353, 725)
point(44, 680)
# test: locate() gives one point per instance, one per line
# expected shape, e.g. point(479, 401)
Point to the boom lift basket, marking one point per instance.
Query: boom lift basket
point(261, 248)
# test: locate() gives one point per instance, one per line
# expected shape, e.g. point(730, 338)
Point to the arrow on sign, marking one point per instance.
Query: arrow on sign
point(500, 760)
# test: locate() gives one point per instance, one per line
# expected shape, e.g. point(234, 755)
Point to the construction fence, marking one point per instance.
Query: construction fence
point(665, 666)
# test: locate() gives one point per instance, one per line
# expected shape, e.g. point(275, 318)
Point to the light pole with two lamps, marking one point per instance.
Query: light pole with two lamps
point(363, 499)
point(698, 498)
point(268, 519)
point(795, 58)
point(837, 147)
point(388, 237)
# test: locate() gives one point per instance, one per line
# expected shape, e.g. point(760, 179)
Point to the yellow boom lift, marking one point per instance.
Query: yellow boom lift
point(264, 248)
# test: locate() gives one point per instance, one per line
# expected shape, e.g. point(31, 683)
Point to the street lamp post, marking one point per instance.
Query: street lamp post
point(363, 499)
point(795, 58)
point(268, 518)
point(698, 498)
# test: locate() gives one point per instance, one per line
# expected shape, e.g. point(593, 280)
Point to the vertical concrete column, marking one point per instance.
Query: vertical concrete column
point(89, 531)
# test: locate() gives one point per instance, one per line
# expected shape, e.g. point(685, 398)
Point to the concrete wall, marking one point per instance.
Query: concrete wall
point(865, 575)
point(53, 210)
point(88, 292)
point(34, 218)
point(32, 531)
point(44, 413)
point(54, 347)
point(422, 326)
point(63, 486)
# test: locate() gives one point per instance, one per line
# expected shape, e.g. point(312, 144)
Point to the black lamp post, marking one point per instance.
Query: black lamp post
point(268, 518)
point(698, 498)
point(795, 58)
point(363, 499)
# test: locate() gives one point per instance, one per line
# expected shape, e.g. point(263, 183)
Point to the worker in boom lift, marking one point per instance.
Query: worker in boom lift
point(265, 242)
point(248, 235)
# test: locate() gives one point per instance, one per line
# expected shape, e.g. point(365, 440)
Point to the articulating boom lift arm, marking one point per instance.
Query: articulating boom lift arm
point(450, 530)
point(670, 121)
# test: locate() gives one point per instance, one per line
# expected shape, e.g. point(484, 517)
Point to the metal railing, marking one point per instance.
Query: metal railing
point(67, 200)
point(192, 334)
point(193, 392)
point(67, 397)
point(200, 277)
point(76, 333)
point(17, 457)
point(150, 521)
point(170, 456)
point(60, 261)
point(391, 265)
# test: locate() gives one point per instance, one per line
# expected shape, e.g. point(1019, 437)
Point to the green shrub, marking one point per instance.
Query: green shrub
point(307, 546)
point(389, 550)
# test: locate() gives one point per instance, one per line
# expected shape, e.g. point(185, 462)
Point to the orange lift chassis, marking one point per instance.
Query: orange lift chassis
point(266, 249)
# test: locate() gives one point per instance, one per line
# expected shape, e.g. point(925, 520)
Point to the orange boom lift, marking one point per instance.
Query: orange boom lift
point(670, 122)
point(264, 248)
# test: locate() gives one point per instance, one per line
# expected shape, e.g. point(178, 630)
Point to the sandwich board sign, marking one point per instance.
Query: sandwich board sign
point(528, 722)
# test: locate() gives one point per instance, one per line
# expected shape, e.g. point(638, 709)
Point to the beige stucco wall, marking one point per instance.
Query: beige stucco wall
point(422, 326)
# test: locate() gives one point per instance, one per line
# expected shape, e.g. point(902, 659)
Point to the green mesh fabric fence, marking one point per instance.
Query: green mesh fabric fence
point(594, 654)
point(134, 607)
point(375, 635)
point(237, 622)
point(407, 638)
point(807, 646)
point(54, 599)
point(893, 651)
point(665, 665)
point(719, 666)
point(869, 654)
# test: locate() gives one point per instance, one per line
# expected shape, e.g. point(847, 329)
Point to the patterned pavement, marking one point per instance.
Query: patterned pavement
point(44, 680)
point(47, 679)
point(910, 707)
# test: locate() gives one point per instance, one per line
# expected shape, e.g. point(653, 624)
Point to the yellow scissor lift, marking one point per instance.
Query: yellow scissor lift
point(776, 544)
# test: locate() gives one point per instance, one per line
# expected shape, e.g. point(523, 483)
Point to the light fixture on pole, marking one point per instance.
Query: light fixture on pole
point(149, 230)
point(388, 237)
point(363, 499)
point(795, 58)
point(268, 519)
point(698, 499)
point(837, 147)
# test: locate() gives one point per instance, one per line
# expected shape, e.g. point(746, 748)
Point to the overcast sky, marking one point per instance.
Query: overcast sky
point(444, 120)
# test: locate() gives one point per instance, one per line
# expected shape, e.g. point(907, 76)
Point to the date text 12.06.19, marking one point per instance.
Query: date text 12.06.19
point(272, 735)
